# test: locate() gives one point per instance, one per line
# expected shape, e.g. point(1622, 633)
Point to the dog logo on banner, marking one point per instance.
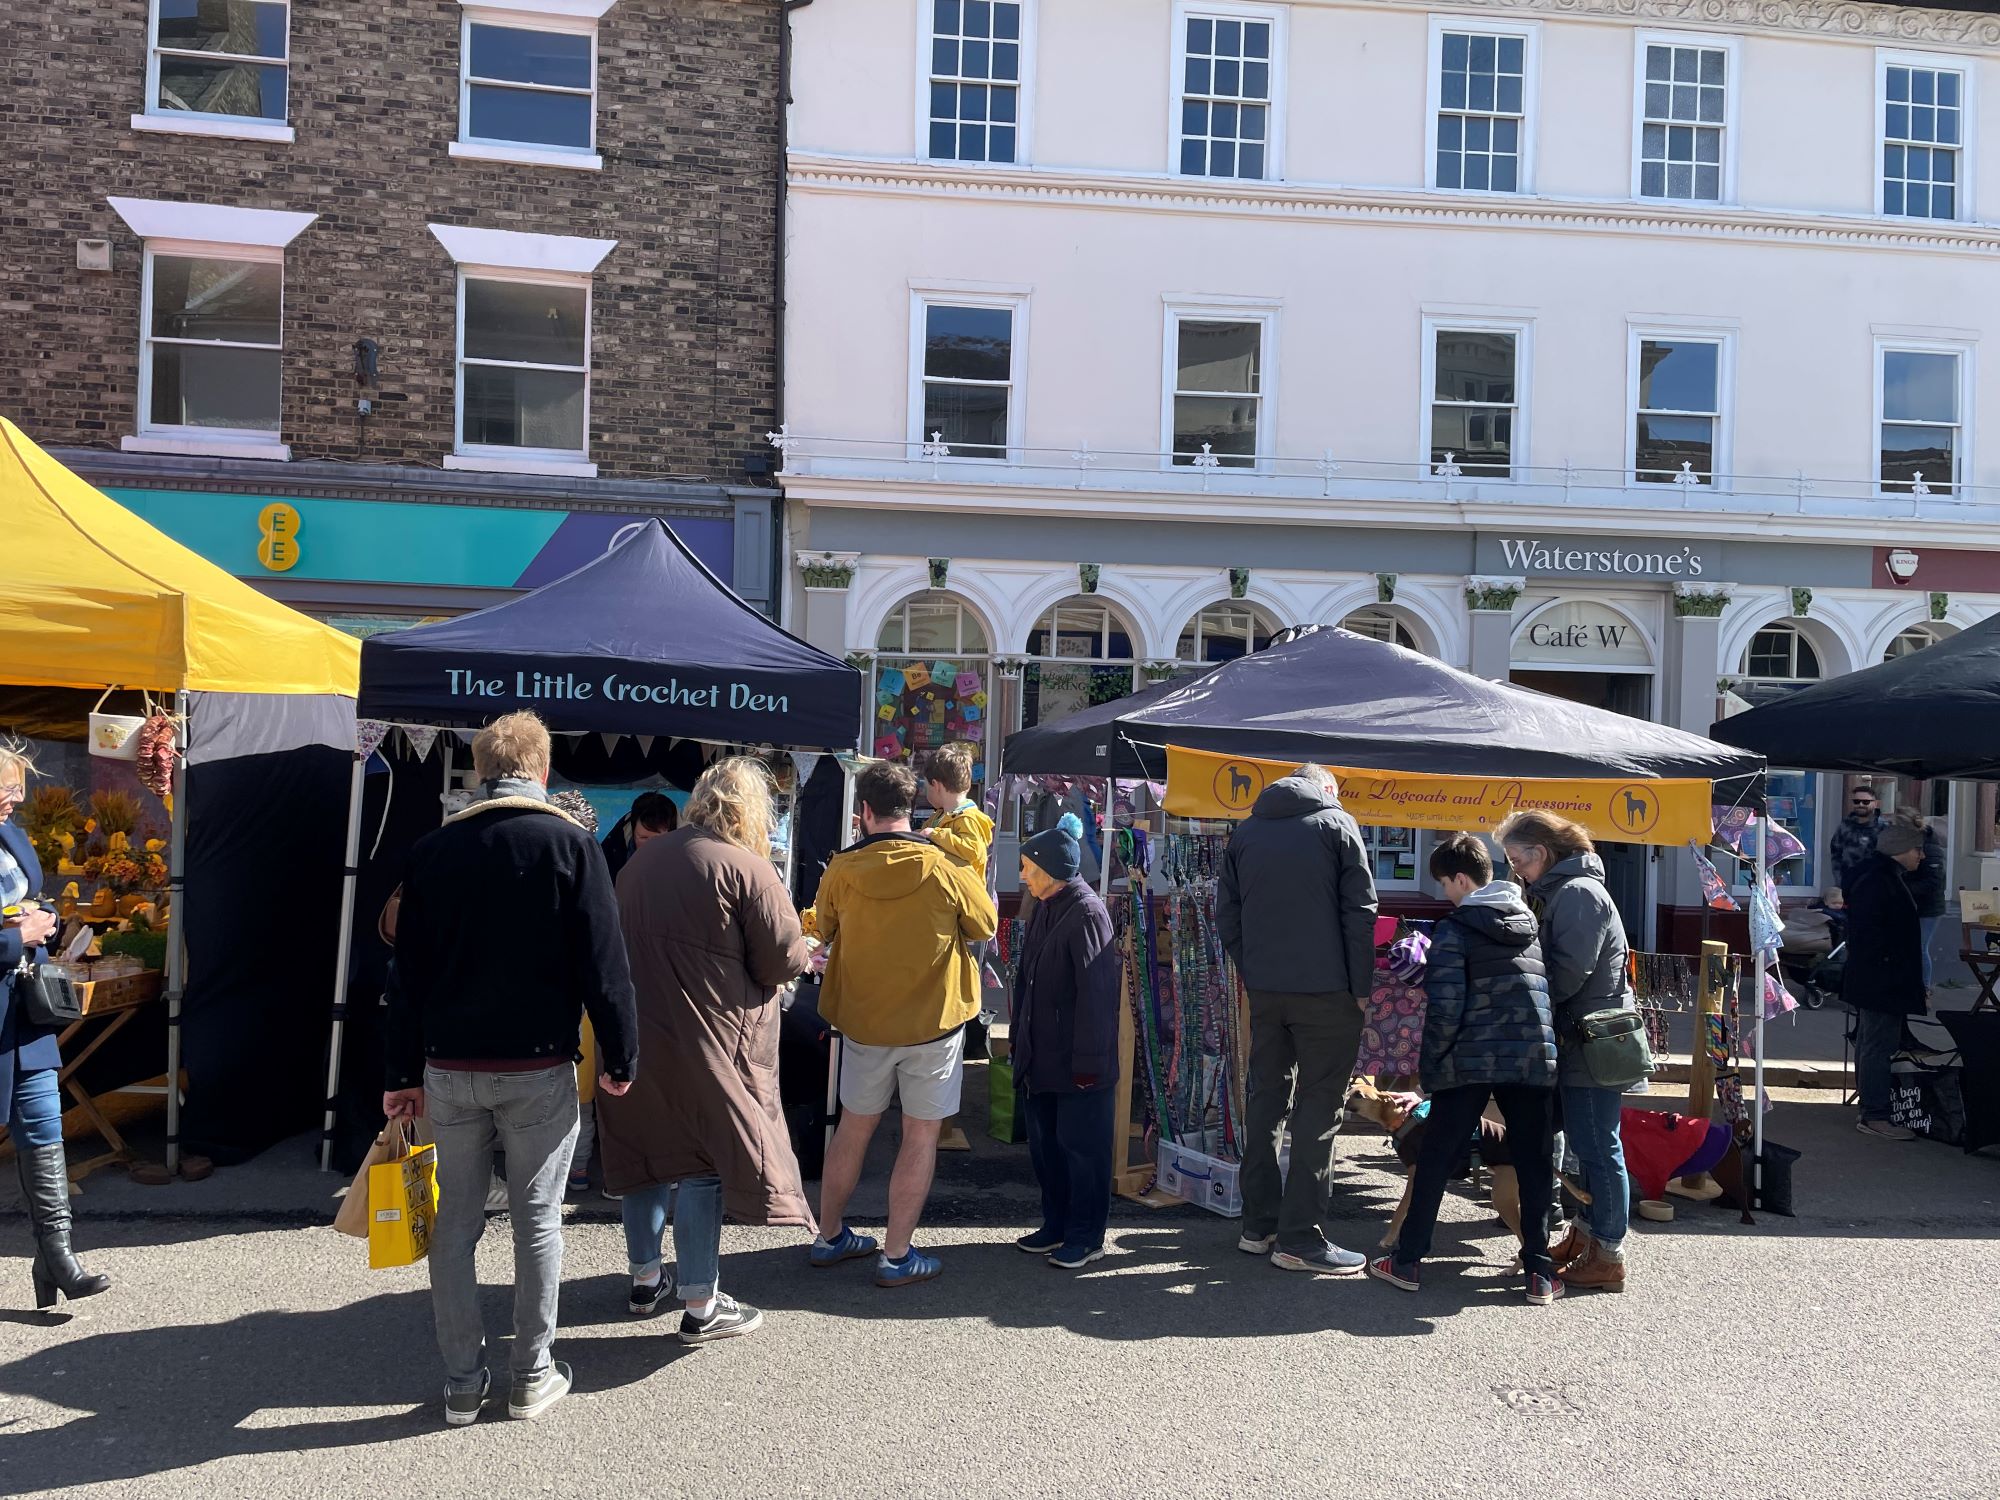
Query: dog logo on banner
point(1635, 810)
point(1237, 783)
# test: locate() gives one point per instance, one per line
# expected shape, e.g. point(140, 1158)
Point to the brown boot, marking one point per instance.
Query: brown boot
point(1594, 1271)
point(1571, 1246)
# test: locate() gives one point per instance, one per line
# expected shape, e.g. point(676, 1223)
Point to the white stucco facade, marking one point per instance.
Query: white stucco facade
point(1345, 286)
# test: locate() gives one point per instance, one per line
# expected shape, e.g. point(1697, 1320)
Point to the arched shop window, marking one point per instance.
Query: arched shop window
point(1380, 625)
point(1079, 655)
point(1781, 653)
point(1392, 852)
point(1780, 659)
point(1913, 640)
point(1223, 632)
point(933, 676)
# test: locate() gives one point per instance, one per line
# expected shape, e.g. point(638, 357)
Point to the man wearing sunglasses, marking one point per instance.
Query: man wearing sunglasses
point(1854, 841)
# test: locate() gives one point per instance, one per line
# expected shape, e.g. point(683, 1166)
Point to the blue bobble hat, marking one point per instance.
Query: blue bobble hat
point(1055, 852)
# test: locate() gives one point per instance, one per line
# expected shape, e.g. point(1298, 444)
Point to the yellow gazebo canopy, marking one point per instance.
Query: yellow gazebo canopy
point(91, 596)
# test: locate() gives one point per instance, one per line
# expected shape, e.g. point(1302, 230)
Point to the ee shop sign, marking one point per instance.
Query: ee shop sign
point(573, 687)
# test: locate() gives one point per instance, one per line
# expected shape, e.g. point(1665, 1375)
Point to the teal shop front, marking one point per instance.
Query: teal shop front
point(346, 558)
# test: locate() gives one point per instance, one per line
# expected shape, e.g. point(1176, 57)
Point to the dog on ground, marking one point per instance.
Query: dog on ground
point(1396, 1114)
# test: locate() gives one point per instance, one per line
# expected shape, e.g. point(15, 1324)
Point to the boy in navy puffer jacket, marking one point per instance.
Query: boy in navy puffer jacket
point(1487, 1034)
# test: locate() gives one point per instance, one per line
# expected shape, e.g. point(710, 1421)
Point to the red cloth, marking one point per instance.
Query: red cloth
point(1657, 1145)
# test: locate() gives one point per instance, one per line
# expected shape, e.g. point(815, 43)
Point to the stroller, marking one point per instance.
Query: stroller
point(1813, 955)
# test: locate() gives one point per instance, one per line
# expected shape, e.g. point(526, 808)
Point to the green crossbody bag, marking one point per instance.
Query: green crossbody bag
point(1614, 1048)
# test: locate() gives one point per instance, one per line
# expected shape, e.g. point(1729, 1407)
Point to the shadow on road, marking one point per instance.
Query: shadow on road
point(162, 1399)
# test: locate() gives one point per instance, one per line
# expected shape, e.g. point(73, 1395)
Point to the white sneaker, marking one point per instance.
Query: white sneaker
point(1250, 1244)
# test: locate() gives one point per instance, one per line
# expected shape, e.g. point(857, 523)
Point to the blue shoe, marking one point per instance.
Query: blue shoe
point(850, 1246)
point(1041, 1242)
point(913, 1267)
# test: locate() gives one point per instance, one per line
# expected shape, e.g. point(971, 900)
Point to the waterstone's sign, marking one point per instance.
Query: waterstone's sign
point(1597, 557)
point(575, 687)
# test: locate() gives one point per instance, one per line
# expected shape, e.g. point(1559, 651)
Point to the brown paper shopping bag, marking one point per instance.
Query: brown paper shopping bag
point(402, 1206)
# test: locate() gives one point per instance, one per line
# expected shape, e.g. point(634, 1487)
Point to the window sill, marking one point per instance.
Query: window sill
point(228, 130)
point(554, 468)
point(206, 447)
point(528, 156)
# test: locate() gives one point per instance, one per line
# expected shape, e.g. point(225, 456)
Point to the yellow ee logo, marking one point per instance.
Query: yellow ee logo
point(278, 528)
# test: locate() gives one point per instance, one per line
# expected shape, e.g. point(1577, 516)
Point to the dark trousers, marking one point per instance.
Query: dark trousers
point(1069, 1143)
point(1530, 1117)
point(1302, 1050)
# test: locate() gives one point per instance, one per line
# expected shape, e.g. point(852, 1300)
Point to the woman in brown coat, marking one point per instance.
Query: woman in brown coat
point(712, 936)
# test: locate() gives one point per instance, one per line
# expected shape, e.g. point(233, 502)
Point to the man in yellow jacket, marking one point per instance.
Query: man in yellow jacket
point(900, 916)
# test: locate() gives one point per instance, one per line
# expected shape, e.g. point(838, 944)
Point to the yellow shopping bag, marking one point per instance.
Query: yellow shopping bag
point(402, 1202)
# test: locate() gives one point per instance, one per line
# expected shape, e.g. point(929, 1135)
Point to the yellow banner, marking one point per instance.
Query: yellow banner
point(1204, 785)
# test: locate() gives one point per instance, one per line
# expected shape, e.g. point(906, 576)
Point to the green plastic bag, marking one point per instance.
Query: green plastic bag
point(1004, 1121)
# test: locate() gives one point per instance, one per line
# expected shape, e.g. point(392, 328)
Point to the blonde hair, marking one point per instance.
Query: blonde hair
point(15, 761)
point(950, 766)
point(733, 801)
point(1541, 830)
point(513, 745)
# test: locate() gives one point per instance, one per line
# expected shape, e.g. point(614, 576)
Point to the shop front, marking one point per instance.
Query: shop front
point(1656, 627)
point(371, 549)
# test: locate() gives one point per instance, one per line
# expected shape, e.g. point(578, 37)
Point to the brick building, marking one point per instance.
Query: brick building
point(536, 237)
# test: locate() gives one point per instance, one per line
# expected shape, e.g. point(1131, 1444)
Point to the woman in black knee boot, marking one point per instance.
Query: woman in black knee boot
point(28, 1055)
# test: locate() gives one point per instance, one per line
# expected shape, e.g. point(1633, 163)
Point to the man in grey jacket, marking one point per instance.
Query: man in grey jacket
point(1295, 906)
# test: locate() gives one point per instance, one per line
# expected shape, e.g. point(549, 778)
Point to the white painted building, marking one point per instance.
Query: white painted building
point(1607, 344)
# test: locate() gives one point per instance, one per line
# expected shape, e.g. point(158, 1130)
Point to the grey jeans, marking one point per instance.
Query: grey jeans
point(1876, 1038)
point(531, 1117)
point(1302, 1050)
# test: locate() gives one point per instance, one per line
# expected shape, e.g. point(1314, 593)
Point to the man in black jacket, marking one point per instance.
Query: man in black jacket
point(1295, 906)
point(508, 933)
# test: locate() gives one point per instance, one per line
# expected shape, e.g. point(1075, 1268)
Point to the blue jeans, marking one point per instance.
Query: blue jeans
point(1590, 1121)
point(1928, 927)
point(34, 1116)
point(531, 1117)
point(697, 1220)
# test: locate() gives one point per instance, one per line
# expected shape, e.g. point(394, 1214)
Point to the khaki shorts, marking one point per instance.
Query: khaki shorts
point(927, 1078)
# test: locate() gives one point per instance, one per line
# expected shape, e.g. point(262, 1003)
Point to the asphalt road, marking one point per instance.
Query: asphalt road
point(1851, 1352)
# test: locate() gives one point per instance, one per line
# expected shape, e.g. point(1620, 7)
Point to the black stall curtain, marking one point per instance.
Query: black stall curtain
point(265, 840)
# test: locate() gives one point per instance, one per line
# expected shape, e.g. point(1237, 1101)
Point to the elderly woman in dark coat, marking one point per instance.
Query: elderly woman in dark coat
point(1065, 1049)
point(713, 937)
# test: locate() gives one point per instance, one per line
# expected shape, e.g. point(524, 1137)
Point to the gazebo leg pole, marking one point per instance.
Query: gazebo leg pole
point(349, 874)
point(1757, 999)
point(177, 931)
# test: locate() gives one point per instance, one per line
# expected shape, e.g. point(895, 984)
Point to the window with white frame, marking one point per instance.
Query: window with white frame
point(1381, 625)
point(1677, 428)
point(1923, 111)
point(528, 80)
point(1684, 119)
point(1475, 400)
point(1217, 393)
point(219, 59)
point(1921, 399)
point(1781, 653)
point(966, 376)
point(1222, 632)
point(213, 342)
point(1912, 639)
point(1479, 108)
point(524, 364)
point(1080, 656)
point(975, 80)
point(1228, 60)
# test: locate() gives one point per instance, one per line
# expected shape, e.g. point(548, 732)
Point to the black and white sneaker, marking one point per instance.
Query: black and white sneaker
point(730, 1319)
point(649, 1297)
